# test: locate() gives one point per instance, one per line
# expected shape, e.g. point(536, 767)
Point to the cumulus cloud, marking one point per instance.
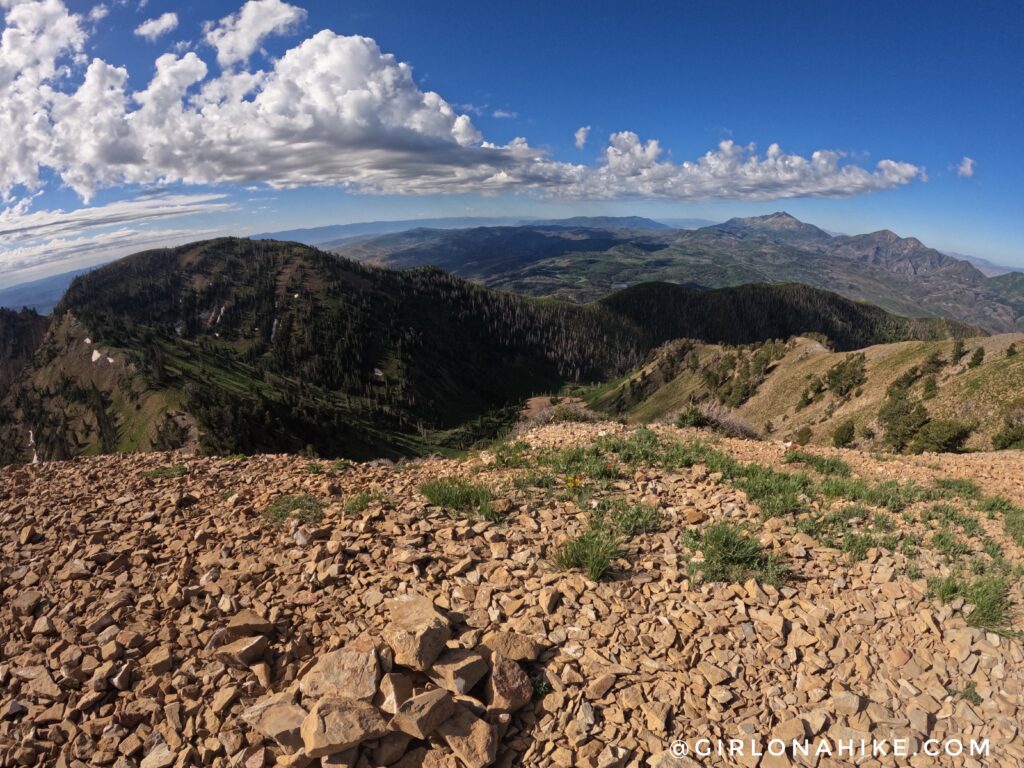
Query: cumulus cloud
point(332, 110)
point(236, 37)
point(581, 136)
point(504, 114)
point(151, 29)
point(966, 168)
point(98, 12)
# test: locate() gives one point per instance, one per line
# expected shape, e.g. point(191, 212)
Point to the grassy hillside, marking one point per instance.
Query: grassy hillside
point(789, 397)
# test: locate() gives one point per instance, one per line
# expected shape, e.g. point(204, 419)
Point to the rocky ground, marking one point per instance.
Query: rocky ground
point(164, 610)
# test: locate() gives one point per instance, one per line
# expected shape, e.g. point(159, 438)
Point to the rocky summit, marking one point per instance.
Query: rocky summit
point(582, 594)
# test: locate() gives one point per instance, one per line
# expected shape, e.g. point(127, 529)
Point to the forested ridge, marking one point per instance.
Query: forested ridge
point(274, 346)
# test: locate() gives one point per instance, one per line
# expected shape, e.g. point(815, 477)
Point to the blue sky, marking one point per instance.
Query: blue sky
point(256, 120)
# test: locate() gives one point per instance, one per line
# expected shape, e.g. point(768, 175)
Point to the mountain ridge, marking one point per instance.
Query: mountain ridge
point(901, 275)
point(257, 345)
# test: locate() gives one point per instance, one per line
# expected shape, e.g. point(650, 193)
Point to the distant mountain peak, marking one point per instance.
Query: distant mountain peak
point(779, 219)
point(785, 224)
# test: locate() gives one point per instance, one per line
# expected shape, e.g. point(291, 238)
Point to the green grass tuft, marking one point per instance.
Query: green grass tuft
point(512, 455)
point(459, 496)
point(356, 504)
point(166, 473)
point(988, 594)
point(732, 556)
point(593, 551)
point(954, 487)
point(822, 464)
point(631, 519)
point(308, 509)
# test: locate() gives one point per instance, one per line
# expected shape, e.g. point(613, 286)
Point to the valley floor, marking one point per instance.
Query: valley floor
point(859, 598)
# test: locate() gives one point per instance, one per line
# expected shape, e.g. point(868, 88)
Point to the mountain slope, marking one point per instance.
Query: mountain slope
point(900, 275)
point(782, 391)
point(249, 346)
point(21, 333)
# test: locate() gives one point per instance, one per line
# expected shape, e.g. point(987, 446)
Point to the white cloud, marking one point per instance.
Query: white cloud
point(236, 37)
point(630, 167)
point(504, 114)
point(966, 168)
point(64, 254)
point(581, 136)
point(333, 110)
point(98, 12)
point(54, 241)
point(151, 29)
point(17, 224)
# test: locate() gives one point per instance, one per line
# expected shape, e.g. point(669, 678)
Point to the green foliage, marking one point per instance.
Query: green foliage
point(512, 455)
point(356, 504)
point(823, 464)
point(732, 556)
point(541, 685)
point(165, 473)
point(776, 493)
point(976, 358)
point(959, 350)
point(1013, 515)
point(889, 494)
point(933, 365)
point(1010, 437)
point(641, 447)
point(854, 531)
point(930, 388)
point(989, 595)
point(901, 419)
point(803, 435)
point(307, 508)
point(846, 376)
point(535, 479)
point(593, 551)
point(940, 436)
point(582, 461)
point(970, 693)
point(569, 413)
point(631, 519)
point(949, 515)
point(956, 487)
point(692, 416)
point(611, 524)
point(948, 544)
point(458, 495)
point(844, 434)
point(315, 468)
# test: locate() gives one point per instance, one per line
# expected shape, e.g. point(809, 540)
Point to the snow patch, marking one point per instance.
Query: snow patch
point(88, 340)
point(96, 355)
